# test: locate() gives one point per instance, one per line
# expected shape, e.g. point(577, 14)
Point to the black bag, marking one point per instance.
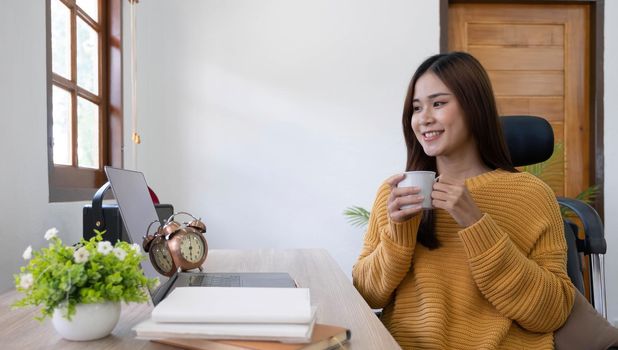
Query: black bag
point(106, 217)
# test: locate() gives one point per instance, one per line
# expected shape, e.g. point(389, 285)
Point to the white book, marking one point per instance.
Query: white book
point(281, 332)
point(235, 305)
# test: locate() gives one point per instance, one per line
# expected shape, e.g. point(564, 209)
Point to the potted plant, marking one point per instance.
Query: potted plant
point(81, 286)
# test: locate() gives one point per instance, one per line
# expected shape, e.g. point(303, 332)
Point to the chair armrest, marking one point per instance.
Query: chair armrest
point(594, 242)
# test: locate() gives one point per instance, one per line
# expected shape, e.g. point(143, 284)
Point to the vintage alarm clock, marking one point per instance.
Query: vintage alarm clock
point(177, 246)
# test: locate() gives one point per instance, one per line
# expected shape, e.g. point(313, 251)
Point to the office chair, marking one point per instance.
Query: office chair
point(530, 140)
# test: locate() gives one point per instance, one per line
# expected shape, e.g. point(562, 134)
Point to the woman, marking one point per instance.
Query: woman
point(486, 267)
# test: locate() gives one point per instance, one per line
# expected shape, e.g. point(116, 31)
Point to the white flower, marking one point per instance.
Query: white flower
point(81, 255)
point(26, 281)
point(27, 253)
point(51, 233)
point(104, 247)
point(157, 282)
point(136, 248)
point(120, 253)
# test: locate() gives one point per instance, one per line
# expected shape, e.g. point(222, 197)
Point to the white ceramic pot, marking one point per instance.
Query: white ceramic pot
point(90, 322)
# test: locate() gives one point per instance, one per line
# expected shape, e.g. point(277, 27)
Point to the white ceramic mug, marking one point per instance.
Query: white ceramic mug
point(422, 179)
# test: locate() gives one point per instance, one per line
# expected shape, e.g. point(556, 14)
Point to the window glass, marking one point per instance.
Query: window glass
point(87, 57)
point(61, 39)
point(61, 115)
point(87, 134)
point(91, 7)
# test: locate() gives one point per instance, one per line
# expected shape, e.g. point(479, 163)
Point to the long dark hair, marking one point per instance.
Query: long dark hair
point(470, 85)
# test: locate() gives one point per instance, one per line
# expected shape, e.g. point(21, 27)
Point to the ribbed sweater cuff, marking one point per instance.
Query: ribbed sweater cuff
point(481, 236)
point(404, 233)
point(401, 252)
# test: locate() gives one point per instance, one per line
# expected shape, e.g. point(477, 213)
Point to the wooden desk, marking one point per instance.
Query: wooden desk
point(337, 300)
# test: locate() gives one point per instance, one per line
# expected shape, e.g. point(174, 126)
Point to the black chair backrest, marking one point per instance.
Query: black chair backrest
point(530, 139)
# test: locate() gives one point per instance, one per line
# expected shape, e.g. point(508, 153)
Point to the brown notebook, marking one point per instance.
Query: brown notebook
point(324, 337)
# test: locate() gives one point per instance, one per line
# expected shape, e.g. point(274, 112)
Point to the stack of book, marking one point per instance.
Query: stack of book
point(325, 337)
point(235, 318)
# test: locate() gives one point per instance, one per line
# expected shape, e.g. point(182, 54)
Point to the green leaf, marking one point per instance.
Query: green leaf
point(589, 194)
point(357, 216)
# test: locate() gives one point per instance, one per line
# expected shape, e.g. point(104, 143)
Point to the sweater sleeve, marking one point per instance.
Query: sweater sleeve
point(532, 289)
point(386, 255)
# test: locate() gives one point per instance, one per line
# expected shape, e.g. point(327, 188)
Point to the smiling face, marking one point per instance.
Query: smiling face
point(438, 121)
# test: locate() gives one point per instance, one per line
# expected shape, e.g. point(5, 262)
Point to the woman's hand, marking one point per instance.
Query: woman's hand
point(452, 195)
point(401, 196)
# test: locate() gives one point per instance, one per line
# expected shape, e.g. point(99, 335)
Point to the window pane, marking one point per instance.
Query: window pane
point(87, 57)
point(91, 7)
point(61, 39)
point(61, 114)
point(87, 134)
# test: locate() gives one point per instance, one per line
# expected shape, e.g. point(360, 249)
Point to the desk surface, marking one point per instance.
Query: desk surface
point(337, 300)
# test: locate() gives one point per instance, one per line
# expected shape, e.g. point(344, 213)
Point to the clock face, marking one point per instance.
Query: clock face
point(192, 247)
point(162, 257)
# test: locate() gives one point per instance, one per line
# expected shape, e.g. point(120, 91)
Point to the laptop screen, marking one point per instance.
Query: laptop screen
point(136, 209)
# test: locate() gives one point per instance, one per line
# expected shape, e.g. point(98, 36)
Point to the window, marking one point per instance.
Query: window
point(84, 95)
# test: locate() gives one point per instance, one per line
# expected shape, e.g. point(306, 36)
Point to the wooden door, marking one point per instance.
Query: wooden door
point(537, 59)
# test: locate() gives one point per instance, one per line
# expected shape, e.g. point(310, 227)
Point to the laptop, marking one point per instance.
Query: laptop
point(138, 212)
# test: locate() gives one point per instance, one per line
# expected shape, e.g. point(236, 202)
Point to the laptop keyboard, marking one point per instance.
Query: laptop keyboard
point(214, 281)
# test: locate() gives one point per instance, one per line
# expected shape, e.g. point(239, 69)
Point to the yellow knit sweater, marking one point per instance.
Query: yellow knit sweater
point(498, 284)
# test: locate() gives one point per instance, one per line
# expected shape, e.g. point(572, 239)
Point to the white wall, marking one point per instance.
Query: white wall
point(23, 112)
point(269, 118)
point(611, 156)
